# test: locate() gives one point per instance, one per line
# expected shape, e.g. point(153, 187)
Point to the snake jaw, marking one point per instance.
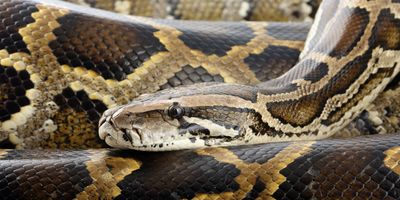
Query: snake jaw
point(133, 133)
point(112, 136)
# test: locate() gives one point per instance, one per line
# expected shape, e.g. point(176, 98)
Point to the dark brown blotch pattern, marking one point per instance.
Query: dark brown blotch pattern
point(295, 32)
point(386, 32)
point(254, 154)
point(272, 62)
point(13, 87)
point(213, 38)
point(191, 174)
point(364, 90)
point(332, 169)
point(29, 175)
point(317, 73)
point(260, 128)
point(336, 170)
point(14, 15)
point(258, 187)
point(352, 23)
point(190, 75)
point(309, 107)
point(306, 69)
point(81, 102)
point(77, 120)
point(112, 48)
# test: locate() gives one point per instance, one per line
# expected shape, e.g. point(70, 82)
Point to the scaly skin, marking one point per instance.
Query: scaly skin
point(224, 10)
point(358, 168)
point(73, 66)
point(350, 56)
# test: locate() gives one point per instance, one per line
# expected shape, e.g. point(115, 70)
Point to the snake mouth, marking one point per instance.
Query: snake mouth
point(131, 135)
point(124, 138)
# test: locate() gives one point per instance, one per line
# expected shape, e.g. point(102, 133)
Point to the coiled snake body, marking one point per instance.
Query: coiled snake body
point(63, 68)
point(361, 168)
point(348, 59)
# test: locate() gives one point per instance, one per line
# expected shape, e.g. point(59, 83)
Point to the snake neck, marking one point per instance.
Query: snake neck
point(350, 56)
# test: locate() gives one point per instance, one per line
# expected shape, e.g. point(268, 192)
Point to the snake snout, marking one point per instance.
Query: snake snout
point(106, 126)
point(106, 130)
point(102, 120)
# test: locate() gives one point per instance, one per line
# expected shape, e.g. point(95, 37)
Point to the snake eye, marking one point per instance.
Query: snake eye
point(175, 111)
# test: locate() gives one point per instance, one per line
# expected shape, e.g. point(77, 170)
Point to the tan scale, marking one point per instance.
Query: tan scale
point(232, 66)
point(392, 159)
point(113, 92)
point(269, 172)
point(91, 82)
point(197, 10)
point(36, 36)
point(142, 81)
point(18, 61)
point(362, 83)
point(255, 10)
point(107, 172)
point(150, 8)
point(74, 130)
point(337, 100)
point(284, 10)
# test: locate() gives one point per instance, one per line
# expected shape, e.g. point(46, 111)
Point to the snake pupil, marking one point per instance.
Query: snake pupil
point(175, 111)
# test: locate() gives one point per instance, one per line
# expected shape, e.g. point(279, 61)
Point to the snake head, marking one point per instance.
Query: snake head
point(183, 118)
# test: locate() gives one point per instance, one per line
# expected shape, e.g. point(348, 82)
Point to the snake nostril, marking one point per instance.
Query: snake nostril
point(111, 122)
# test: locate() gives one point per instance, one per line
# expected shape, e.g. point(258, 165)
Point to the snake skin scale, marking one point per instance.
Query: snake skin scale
point(357, 168)
point(56, 79)
point(226, 10)
point(79, 82)
point(381, 117)
point(350, 56)
point(85, 75)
